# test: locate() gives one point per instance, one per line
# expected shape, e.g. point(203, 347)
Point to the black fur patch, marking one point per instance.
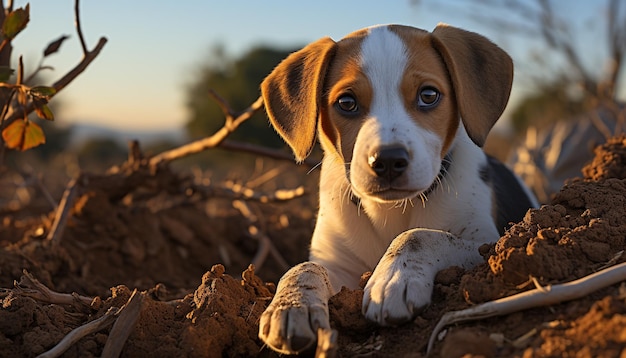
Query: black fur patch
point(510, 198)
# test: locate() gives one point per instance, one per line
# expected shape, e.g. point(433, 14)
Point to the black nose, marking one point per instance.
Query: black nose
point(389, 163)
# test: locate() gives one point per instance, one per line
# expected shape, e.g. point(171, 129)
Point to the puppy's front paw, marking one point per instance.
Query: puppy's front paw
point(402, 283)
point(299, 308)
point(393, 296)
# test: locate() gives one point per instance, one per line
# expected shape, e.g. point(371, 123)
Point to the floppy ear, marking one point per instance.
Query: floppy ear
point(482, 75)
point(293, 92)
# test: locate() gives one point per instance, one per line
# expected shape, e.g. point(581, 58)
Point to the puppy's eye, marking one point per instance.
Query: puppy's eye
point(428, 97)
point(347, 104)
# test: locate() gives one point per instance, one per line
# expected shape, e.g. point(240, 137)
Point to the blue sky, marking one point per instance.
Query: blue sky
point(138, 80)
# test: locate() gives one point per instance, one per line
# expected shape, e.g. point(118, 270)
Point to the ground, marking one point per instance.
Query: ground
point(186, 247)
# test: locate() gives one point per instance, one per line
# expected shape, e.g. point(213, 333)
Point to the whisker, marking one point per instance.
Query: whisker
point(405, 202)
point(424, 199)
point(314, 167)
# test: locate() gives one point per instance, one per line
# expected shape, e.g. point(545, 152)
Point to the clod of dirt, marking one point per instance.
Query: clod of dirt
point(582, 229)
point(609, 161)
point(220, 316)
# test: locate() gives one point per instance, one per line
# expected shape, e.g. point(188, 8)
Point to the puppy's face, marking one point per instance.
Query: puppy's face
point(389, 111)
point(387, 102)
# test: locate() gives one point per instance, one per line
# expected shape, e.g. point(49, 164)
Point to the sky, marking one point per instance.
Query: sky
point(138, 81)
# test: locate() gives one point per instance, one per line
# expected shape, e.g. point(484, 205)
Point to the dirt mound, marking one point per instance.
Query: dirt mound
point(158, 232)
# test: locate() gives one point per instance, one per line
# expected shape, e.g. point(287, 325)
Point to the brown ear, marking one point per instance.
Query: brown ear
point(293, 92)
point(482, 75)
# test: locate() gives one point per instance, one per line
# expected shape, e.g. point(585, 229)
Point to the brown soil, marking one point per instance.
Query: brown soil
point(183, 247)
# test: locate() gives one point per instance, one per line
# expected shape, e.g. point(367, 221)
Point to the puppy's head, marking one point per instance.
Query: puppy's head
point(388, 101)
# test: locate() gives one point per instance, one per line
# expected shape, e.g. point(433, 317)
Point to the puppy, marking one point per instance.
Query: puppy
point(405, 189)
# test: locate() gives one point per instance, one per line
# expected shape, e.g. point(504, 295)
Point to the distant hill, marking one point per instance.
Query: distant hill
point(83, 132)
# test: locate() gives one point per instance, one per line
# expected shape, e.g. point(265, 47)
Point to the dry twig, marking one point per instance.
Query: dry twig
point(265, 243)
point(29, 286)
point(266, 152)
point(123, 326)
point(76, 334)
point(132, 306)
point(326, 343)
point(232, 122)
point(63, 211)
point(544, 296)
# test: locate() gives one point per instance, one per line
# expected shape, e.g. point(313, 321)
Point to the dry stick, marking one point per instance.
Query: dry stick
point(79, 29)
point(123, 326)
point(213, 141)
point(76, 334)
point(29, 286)
point(326, 343)
point(543, 296)
point(264, 151)
point(94, 326)
point(265, 243)
point(63, 211)
point(240, 191)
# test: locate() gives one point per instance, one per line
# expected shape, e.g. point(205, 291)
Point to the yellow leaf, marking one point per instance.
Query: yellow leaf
point(42, 109)
point(23, 135)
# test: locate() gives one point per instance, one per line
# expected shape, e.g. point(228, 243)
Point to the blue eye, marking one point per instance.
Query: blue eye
point(428, 97)
point(347, 104)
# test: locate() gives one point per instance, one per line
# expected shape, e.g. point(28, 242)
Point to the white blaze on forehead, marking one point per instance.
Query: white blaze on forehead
point(384, 60)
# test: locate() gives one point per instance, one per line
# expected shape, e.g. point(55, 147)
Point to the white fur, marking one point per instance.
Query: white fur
point(384, 59)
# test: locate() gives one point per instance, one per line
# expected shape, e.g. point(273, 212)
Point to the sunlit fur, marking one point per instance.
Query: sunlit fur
point(404, 229)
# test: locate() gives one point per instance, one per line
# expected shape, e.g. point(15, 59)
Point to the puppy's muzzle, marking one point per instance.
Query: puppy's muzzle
point(389, 163)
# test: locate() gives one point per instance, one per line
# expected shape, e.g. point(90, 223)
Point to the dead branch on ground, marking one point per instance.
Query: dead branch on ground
point(541, 296)
point(265, 243)
point(29, 286)
point(124, 318)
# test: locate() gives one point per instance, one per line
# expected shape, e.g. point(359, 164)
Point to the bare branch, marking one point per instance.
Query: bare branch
point(123, 326)
point(76, 334)
point(543, 296)
point(132, 306)
point(78, 28)
point(265, 243)
point(264, 151)
point(209, 142)
point(617, 47)
point(29, 286)
point(63, 81)
point(63, 212)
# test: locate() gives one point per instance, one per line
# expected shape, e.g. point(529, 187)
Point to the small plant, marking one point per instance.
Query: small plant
point(18, 99)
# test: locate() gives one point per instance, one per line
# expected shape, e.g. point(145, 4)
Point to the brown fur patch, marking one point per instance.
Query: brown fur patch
point(425, 68)
point(345, 76)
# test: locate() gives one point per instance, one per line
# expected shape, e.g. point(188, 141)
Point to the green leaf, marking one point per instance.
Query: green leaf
point(5, 73)
point(22, 135)
point(54, 45)
point(42, 92)
point(15, 22)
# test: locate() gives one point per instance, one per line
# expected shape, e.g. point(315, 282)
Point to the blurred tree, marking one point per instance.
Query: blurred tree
point(237, 81)
point(549, 102)
point(100, 153)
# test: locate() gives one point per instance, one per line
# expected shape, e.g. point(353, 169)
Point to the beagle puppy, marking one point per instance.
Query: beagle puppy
point(405, 188)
